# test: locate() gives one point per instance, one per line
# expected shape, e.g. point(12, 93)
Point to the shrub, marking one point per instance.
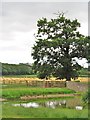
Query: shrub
point(86, 96)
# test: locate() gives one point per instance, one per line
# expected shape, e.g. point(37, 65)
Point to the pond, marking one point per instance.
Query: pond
point(75, 103)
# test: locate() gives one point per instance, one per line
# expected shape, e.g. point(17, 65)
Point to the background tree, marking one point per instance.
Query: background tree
point(58, 44)
point(88, 52)
point(17, 69)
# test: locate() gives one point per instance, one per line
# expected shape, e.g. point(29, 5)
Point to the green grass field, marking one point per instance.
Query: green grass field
point(20, 112)
point(17, 91)
point(14, 91)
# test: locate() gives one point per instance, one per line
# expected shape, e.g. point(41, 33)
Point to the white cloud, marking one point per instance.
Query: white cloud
point(82, 62)
point(19, 49)
point(19, 25)
point(84, 28)
point(16, 56)
point(45, 0)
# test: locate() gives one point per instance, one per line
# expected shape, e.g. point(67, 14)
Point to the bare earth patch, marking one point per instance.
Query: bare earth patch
point(1, 99)
point(47, 96)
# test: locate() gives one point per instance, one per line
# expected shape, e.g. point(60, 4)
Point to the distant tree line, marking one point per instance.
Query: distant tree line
point(27, 69)
point(84, 72)
point(16, 69)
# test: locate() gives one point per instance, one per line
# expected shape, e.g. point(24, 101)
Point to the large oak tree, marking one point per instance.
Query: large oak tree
point(58, 43)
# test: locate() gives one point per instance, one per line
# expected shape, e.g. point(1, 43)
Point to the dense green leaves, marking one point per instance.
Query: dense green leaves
point(16, 69)
point(58, 44)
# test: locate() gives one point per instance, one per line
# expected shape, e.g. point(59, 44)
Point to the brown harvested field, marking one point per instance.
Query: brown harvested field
point(23, 80)
point(16, 80)
point(84, 79)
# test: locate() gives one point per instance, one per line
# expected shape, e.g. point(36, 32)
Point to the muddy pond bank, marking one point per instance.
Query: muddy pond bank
point(63, 102)
point(47, 96)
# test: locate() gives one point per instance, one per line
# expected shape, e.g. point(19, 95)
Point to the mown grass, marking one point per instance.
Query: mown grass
point(16, 92)
point(20, 112)
point(16, 85)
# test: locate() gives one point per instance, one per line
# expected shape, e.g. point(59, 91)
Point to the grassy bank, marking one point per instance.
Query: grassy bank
point(13, 92)
point(20, 112)
point(17, 92)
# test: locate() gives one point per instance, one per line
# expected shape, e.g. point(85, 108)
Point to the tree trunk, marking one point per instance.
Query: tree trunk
point(68, 78)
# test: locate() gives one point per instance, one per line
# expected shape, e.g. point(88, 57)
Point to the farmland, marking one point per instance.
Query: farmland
point(15, 90)
point(51, 80)
point(24, 79)
point(21, 112)
point(13, 94)
point(26, 91)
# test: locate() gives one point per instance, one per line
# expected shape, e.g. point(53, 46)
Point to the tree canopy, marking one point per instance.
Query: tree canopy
point(58, 43)
point(16, 69)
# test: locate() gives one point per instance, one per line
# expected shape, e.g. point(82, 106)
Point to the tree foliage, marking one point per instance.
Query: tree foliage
point(58, 44)
point(16, 69)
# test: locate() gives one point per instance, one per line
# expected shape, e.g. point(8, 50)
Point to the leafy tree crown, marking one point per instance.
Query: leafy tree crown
point(58, 44)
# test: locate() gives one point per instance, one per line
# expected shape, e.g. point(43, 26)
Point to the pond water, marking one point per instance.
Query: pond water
point(75, 103)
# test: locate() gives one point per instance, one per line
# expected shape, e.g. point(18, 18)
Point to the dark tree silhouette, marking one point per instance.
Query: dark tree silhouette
point(58, 44)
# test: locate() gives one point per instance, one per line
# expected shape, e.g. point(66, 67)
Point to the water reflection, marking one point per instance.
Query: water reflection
point(27, 105)
point(69, 103)
point(54, 104)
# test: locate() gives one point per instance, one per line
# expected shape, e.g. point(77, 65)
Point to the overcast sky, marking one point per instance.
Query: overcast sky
point(19, 21)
